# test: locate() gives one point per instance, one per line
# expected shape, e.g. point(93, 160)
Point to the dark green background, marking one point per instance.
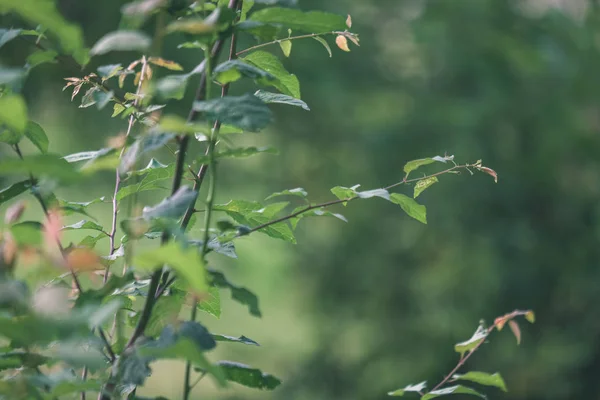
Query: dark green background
point(358, 309)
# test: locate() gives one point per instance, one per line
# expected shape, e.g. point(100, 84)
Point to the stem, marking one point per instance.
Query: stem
point(311, 35)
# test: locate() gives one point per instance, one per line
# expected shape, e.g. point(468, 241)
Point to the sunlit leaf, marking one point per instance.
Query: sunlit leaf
point(420, 387)
point(530, 316)
point(13, 112)
point(168, 64)
point(285, 82)
point(424, 184)
point(459, 389)
point(342, 42)
point(286, 47)
point(121, 41)
point(475, 340)
point(411, 207)
point(482, 378)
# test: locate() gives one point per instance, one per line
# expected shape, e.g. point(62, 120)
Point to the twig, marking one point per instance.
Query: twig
point(109, 349)
point(311, 35)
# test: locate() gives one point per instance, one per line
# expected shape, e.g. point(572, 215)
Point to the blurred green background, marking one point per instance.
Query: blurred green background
point(355, 310)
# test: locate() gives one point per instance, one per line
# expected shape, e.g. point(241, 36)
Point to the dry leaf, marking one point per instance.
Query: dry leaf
point(161, 62)
point(349, 21)
point(490, 172)
point(342, 43)
point(500, 322)
point(82, 259)
point(514, 327)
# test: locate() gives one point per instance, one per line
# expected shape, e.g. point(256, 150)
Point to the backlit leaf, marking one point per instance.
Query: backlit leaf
point(37, 136)
point(161, 62)
point(285, 82)
point(459, 389)
point(424, 184)
point(13, 112)
point(420, 387)
point(286, 47)
point(342, 42)
point(530, 316)
point(482, 378)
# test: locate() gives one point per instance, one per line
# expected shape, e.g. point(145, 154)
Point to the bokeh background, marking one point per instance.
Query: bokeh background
point(358, 309)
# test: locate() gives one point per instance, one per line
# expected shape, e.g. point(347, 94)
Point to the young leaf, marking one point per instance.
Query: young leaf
point(458, 389)
point(411, 207)
point(161, 62)
point(475, 340)
point(310, 22)
point(248, 376)
point(419, 387)
point(232, 70)
point(268, 97)
point(121, 41)
point(211, 303)
point(344, 193)
point(414, 164)
point(239, 294)
point(285, 82)
point(514, 327)
point(247, 112)
point(342, 42)
point(185, 261)
point(530, 316)
point(37, 136)
point(324, 43)
point(424, 184)
point(286, 47)
point(13, 112)
point(482, 378)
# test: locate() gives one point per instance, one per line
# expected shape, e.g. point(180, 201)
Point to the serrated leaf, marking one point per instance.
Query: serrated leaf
point(239, 294)
point(173, 206)
point(121, 41)
point(248, 376)
point(458, 389)
point(414, 164)
point(411, 207)
point(185, 261)
point(232, 70)
point(324, 43)
point(41, 165)
point(424, 184)
point(242, 339)
point(14, 190)
point(419, 387)
point(298, 192)
point(482, 378)
point(475, 340)
point(13, 112)
point(514, 327)
point(285, 82)
point(310, 22)
point(37, 136)
point(269, 97)
point(247, 112)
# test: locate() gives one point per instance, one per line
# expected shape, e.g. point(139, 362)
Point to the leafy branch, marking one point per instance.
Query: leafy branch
point(352, 36)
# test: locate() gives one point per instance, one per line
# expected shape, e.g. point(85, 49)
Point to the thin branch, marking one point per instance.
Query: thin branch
point(311, 35)
point(109, 349)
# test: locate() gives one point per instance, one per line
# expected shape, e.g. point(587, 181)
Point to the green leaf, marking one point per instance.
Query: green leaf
point(13, 111)
point(414, 164)
point(310, 22)
point(298, 192)
point(108, 71)
point(344, 193)
point(269, 97)
point(217, 21)
point(151, 181)
point(475, 340)
point(317, 212)
point(324, 43)
point(244, 152)
point(248, 376)
point(45, 13)
point(185, 261)
point(102, 98)
point(27, 233)
point(286, 47)
point(239, 294)
point(35, 133)
point(242, 339)
point(424, 184)
point(211, 303)
point(420, 387)
point(411, 207)
point(90, 241)
point(10, 137)
point(78, 207)
point(104, 313)
point(41, 57)
point(226, 248)
point(247, 112)
point(176, 124)
point(96, 296)
point(165, 311)
point(459, 389)
point(6, 35)
point(285, 82)
point(87, 155)
point(482, 378)
point(83, 224)
point(46, 165)
point(173, 206)
point(172, 86)
point(168, 64)
point(14, 190)
point(232, 70)
point(13, 78)
point(121, 41)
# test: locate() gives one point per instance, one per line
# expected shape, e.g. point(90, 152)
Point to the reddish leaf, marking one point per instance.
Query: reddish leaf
point(514, 327)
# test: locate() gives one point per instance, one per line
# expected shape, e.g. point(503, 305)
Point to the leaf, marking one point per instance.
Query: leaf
point(76, 207)
point(324, 43)
point(121, 41)
point(87, 155)
point(27, 233)
point(165, 312)
point(384, 194)
point(6, 35)
point(424, 184)
point(104, 313)
point(13, 78)
point(151, 181)
point(286, 47)
point(10, 137)
point(173, 206)
point(13, 111)
point(14, 190)
point(142, 7)
point(185, 261)
point(242, 339)
point(248, 376)
point(83, 224)
point(529, 315)
point(285, 82)
point(475, 340)
point(483, 378)
point(161, 62)
point(268, 97)
point(410, 388)
point(45, 13)
point(349, 21)
point(37, 136)
point(459, 389)
point(317, 212)
point(310, 22)
point(89, 98)
point(298, 192)
point(217, 21)
point(490, 172)
point(342, 42)
point(247, 112)
point(108, 71)
point(176, 124)
point(244, 152)
point(414, 164)
point(239, 294)
point(411, 207)
point(232, 70)
point(211, 304)
point(514, 327)
point(172, 86)
point(40, 57)
point(344, 193)
point(46, 165)
point(102, 98)
point(226, 248)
